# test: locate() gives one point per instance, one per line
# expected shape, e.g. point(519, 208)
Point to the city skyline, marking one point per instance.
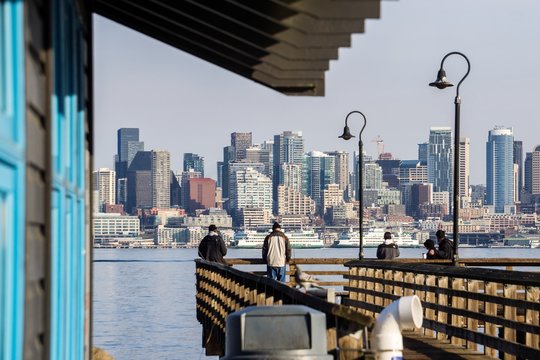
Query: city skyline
point(185, 104)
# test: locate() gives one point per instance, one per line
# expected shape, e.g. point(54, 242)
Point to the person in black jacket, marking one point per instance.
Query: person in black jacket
point(212, 246)
point(388, 250)
point(446, 247)
point(430, 245)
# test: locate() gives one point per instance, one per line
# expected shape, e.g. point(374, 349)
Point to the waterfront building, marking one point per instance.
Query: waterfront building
point(440, 159)
point(218, 217)
point(241, 142)
point(161, 179)
point(202, 194)
point(112, 226)
point(500, 169)
point(518, 160)
point(252, 217)
point(292, 202)
point(105, 183)
point(195, 162)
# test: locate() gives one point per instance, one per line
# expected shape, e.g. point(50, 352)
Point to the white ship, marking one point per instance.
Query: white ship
point(373, 237)
point(252, 239)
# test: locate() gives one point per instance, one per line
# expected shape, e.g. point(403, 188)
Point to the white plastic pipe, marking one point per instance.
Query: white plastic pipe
point(386, 339)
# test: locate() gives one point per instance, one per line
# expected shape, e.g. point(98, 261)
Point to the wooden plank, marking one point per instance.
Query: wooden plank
point(509, 291)
point(532, 317)
point(490, 288)
point(430, 298)
point(458, 302)
point(472, 305)
point(442, 299)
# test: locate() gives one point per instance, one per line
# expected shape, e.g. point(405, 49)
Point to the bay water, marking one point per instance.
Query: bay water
point(144, 299)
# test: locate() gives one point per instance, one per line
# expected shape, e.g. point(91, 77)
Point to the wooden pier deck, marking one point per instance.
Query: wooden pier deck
point(470, 312)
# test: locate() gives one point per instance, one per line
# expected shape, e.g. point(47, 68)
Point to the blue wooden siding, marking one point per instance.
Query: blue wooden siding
point(68, 193)
point(12, 164)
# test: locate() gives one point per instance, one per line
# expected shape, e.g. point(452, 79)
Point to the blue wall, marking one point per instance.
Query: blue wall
point(12, 165)
point(68, 182)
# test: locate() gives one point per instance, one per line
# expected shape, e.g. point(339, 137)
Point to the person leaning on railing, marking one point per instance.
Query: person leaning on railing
point(212, 246)
point(446, 247)
point(388, 250)
point(276, 253)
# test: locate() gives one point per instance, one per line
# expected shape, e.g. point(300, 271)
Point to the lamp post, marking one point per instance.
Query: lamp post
point(443, 83)
point(347, 136)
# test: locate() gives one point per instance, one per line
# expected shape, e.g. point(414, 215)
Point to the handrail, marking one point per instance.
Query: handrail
point(467, 304)
point(222, 290)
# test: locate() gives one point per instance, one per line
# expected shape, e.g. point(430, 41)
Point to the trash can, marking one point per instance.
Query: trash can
point(276, 333)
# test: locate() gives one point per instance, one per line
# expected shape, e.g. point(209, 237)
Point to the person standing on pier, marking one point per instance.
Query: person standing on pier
point(388, 250)
point(276, 252)
point(212, 246)
point(446, 247)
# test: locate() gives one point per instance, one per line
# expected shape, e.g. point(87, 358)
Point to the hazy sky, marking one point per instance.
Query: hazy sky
point(184, 104)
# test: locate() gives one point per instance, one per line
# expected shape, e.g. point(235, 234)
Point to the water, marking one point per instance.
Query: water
point(144, 299)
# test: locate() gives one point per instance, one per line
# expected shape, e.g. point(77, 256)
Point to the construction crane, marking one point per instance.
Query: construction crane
point(380, 145)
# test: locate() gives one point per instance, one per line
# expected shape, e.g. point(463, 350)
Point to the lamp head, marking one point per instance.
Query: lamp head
point(441, 82)
point(346, 133)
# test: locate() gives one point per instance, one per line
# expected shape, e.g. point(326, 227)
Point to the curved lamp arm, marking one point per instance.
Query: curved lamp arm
point(468, 68)
point(365, 121)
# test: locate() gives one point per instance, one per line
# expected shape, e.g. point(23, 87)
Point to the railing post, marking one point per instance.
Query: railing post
point(472, 305)
point(532, 317)
point(442, 316)
point(490, 288)
point(510, 312)
point(457, 303)
point(292, 270)
point(430, 299)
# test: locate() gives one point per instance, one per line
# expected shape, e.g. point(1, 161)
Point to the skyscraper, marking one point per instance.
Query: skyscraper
point(249, 188)
point(128, 145)
point(240, 142)
point(320, 172)
point(464, 170)
point(423, 152)
point(139, 182)
point(440, 155)
point(500, 168)
point(261, 154)
point(288, 148)
point(532, 172)
point(518, 159)
point(161, 179)
point(202, 194)
point(184, 185)
point(342, 168)
point(105, 184)
point(195, 162)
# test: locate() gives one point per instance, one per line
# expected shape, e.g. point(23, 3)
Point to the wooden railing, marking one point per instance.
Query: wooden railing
point(479, 309)
point(222, 290)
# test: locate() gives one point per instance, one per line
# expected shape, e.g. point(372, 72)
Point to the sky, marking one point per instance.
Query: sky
point(184, 104)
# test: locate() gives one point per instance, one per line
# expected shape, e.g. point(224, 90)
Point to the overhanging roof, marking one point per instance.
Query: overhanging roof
point(283, 44)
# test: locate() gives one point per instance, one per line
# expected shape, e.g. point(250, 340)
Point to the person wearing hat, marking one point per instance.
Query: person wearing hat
point(212, 246)
point(276, 252)
point(388, 250)
point(446, 247)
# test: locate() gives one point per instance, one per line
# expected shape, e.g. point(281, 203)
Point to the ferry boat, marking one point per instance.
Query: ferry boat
point(373, 237)
point(252, 239)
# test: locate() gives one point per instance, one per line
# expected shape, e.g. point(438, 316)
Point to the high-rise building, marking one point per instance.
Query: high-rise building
point(464, 170)
point(288, 148)
point(240, 142)
point(332, 196)
point(202, 194)
point(518, 159)
point(185, 177)
point(105, 184)
point(228, 156)
point(320, 172)
point(161, 179)
point(342, 168)
point(139, 182)
point(219, 169)
point(195, 162)
point(176, 190)
point(249, 188)
point(128, 145)
point(261, 154)
point(532, 172)
point(390, 171)
point(291, 176)
point(500, 168)
point(440, 159)
point(372, 176)
point(291, 202)
point(423, 153)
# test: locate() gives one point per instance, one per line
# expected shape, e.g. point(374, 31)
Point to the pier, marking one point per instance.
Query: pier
point(482, 309)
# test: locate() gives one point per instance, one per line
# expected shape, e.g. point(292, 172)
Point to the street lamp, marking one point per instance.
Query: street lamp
point(443, 83)
point(347, 136)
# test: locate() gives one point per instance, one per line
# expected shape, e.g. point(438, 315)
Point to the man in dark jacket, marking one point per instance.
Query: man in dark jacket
point(388, 250)
point(446, 247)
point(212, 247)
point(276, 252)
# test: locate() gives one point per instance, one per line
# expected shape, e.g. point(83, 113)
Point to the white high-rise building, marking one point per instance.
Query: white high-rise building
point(250, 189)
point(464, 170)
point(105, 185)
point(161, 179)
